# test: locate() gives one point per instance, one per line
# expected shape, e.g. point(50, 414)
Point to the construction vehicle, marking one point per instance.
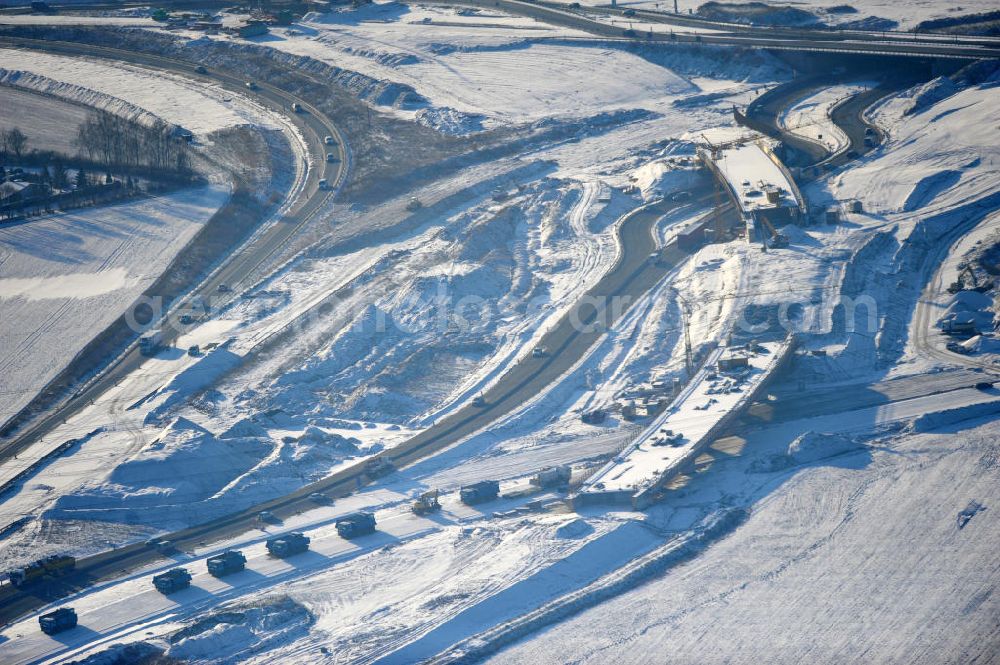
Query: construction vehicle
point(150, 342)
point(51, 566)
point(230, 561)
point(172, 581)
point(484, 490)
point(554, 476)
point(966, 276)
point(778, 239)
point(55, 622)
point(288, 545)
point(426, 503)
point(378, 467)
point(355, 524)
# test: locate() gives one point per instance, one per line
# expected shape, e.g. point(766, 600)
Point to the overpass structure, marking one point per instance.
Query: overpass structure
point(760, 186)
point(730, 380)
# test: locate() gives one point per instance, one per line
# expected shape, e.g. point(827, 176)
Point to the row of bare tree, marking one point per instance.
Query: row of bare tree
point(115, 141)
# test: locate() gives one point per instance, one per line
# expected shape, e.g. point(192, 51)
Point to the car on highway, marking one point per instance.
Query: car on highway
point(251, 85)
point(296, 107)
point(539, 352)
point(984, 385)
point(629, 33)
point(329, 140)
point(628, 12)
point(186, 319)
point(331, 157)
point(320, 498)
point(160, 545)
point(268, 517)
point(224, 288)
point(201, 69)
point(323, 184)
point(194, 350)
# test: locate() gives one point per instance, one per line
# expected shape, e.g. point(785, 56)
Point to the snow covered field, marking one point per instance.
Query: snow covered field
point(51, 120)
point(852, 553)
point(65, 278)
point(168, 97)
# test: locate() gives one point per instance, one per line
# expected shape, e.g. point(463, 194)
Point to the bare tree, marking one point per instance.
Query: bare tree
point(15, 141)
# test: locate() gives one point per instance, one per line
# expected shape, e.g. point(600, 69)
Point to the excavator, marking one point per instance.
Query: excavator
point(426, 503)
point(966, 276)
point(778, 239)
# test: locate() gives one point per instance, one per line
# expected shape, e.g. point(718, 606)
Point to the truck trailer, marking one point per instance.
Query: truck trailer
point(49, 567)
point(288, 545)
point(151, 342)
point(230, 561)
point(55, 622)
point(485, 490)
point(356, 524)
point(173, 580)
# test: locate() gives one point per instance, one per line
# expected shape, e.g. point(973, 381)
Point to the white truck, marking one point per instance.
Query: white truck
point(151, 342)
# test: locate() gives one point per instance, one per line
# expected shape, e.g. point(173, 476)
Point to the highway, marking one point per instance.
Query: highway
point(131, 604)
point(236, 268)
point(808, 41)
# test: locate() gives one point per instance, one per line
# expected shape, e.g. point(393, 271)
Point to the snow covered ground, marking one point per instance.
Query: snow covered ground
point(337, 377)
point(852, 552)
point(867, 15)
point(478, 68)
point(352, 347)
point(65, 278)
point(130, 90)
point(51, 119)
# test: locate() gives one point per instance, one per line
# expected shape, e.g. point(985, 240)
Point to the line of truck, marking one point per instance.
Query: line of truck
point(350, 526)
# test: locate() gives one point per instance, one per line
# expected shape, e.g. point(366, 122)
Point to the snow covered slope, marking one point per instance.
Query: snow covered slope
point(853, 555)
point(65, 278)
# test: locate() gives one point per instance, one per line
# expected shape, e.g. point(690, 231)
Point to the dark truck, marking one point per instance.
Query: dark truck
point(230, 561)
point(173, 580)
point(484, 490)
point(288, 545)
point(55, 622)
point(356, 524)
